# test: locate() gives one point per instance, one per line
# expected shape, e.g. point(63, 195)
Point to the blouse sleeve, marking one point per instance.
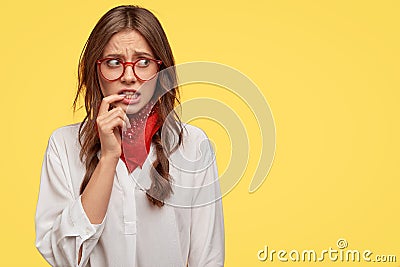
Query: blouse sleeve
point(207, 240)
point(62, 225)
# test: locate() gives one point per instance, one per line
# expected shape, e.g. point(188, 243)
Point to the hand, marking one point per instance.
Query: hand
point(108, 124)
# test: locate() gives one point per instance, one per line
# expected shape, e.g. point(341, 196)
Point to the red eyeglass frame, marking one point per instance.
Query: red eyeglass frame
point(124, 64)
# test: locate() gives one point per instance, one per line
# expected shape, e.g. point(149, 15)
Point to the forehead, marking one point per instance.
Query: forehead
point(127, 42)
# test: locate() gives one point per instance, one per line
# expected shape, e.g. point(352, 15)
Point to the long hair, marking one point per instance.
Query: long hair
point(143, 21)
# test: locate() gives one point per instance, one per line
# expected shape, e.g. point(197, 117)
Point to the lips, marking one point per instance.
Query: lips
point(131, 96)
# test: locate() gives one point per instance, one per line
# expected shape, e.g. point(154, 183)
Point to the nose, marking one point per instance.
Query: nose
point(129, 75)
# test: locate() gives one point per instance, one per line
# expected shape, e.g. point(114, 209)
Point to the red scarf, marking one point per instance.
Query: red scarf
point(136, 140)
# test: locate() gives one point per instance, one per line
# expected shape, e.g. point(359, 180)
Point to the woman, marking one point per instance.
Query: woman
point(131, 185)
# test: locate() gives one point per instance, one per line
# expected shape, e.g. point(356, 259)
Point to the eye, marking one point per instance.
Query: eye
point(143, 63)
point(113, 63)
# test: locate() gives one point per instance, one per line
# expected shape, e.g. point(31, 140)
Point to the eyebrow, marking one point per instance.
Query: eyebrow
point(136, 53)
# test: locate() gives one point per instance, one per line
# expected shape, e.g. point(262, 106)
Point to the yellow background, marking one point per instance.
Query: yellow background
point(328, 69)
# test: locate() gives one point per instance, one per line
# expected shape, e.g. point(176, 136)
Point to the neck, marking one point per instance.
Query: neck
point(142, 113)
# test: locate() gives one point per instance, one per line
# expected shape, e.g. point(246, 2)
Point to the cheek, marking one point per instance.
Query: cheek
point(149, 88)
point(104, 86)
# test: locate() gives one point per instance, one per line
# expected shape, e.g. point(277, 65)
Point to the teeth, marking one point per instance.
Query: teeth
point(131, 96)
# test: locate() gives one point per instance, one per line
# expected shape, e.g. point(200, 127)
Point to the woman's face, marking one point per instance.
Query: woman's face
point(128, 45)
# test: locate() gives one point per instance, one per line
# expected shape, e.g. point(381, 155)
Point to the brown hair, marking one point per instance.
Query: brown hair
point(143, 21)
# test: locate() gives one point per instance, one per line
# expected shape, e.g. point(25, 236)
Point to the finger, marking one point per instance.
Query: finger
point(126, 119)
point(106, 102)
point(118, 135)
point(120, 113)
point(124, 129)
point(110, 125)
point(112, 114)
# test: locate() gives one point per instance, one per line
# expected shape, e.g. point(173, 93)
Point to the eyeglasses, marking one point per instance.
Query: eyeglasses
point(113, 69)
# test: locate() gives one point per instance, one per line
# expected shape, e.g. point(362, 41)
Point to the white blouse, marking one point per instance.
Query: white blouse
point(187, 231)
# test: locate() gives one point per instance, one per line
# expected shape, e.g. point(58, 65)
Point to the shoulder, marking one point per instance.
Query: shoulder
point(193, 133)
point(195, 142)
point(65, 136)
point(66, 130)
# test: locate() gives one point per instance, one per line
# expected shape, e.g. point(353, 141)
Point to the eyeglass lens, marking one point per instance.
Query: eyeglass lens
point(113, 69)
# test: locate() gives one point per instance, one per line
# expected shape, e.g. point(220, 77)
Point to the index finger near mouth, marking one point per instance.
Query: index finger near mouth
point(106, 102)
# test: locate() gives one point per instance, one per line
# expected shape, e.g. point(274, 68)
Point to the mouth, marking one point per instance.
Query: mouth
point(129, 94)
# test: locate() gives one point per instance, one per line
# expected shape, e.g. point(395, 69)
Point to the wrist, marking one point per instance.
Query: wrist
point(108, 159)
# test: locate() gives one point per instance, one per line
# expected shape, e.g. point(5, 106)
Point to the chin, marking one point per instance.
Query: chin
point(133, 109)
